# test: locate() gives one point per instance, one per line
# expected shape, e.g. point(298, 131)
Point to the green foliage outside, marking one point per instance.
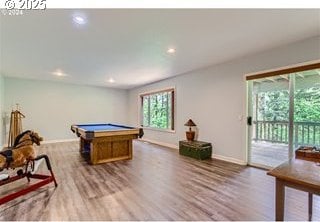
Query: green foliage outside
point(274, 106)
point(157, 110)
point(307, 105)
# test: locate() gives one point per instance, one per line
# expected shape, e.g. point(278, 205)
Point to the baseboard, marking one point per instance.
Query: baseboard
point(169, 145)
point(229, 159)
point(59, 141)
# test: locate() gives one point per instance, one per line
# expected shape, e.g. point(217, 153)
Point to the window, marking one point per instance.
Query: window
point(157, 109)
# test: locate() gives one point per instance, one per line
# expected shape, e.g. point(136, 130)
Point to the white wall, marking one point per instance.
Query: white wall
point(215, 98)
point(51, 107)
point(1, 109)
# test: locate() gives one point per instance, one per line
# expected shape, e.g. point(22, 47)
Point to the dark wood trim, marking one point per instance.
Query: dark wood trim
point(284, 71)
point(169, 90)
point(156, 92)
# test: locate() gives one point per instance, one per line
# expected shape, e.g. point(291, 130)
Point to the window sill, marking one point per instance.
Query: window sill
point(158, 129)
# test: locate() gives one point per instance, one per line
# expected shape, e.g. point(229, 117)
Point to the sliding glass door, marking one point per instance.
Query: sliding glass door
point(283, 114)
point(307, 109)
point(270, 121)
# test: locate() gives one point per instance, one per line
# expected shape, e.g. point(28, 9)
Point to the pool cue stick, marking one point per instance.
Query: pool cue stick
point(18, 120)
point(15, 126)
point(12, 128)
point(15, 122)
point(9, 130)
point(20, 115)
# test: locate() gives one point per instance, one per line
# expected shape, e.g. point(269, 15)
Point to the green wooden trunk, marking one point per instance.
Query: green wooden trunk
point(195, 149)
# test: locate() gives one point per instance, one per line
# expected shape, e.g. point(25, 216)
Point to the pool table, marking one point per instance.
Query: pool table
point(102, 143)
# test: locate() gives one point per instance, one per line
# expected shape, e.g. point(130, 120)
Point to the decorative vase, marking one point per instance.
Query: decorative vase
point(190, 135)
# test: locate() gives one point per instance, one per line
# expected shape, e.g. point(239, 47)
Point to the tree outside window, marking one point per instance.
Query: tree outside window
point(157, 109)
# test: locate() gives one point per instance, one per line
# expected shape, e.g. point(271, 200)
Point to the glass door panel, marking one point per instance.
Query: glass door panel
point(269, 143)
point(307, 109)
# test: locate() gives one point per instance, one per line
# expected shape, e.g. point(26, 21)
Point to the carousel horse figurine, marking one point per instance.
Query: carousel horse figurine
point(22, 151)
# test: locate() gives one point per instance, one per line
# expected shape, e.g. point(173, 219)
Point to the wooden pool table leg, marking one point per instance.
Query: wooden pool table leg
point(81, 145)
point(310, 206)
point(94, 151)
point(280, 197)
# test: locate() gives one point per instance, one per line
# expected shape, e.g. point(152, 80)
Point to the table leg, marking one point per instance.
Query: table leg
point(81, 145)
point(280, 197)
point(310, 206)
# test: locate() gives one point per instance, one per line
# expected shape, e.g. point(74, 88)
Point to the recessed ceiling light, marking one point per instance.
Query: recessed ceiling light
point(58, 72)
point(111, 80)
point(171, 50)
point(79, 19)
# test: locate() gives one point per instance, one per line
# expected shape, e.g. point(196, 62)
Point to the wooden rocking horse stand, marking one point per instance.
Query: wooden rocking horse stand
point(45, 179)
point(22, 154)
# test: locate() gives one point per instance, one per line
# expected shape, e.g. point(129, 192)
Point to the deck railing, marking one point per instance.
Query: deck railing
point(305, 133)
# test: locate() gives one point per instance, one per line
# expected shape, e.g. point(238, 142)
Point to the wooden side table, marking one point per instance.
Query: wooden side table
point(196, 149)
point(298, 174)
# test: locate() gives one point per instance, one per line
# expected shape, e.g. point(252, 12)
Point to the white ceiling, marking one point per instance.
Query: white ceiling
point(129, 45)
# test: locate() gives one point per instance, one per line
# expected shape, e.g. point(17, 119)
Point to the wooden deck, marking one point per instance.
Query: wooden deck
point(157, 184)
point(269, 154)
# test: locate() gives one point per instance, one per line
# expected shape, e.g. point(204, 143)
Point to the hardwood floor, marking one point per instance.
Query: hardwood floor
point(157, 184)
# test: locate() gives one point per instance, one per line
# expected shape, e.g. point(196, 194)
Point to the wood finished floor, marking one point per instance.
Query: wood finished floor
point(157, 184)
